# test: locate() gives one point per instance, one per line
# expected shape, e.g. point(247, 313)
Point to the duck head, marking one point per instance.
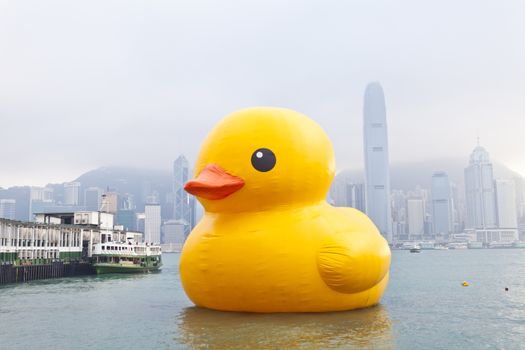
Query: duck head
point(262, 158)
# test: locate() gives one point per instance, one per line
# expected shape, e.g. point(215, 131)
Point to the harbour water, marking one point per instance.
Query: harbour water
point(424, 307)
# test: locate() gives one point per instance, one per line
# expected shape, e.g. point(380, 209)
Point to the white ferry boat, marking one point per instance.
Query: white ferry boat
point(126, 257)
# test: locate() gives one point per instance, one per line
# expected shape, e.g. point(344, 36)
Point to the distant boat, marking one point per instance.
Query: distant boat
point(415, 249)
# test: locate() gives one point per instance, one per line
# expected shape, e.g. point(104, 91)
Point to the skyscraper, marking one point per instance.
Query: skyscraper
point(40, 198)
point(355, 195)
point(399, 215)
point(109, 202)
point(92, 198)
point(152, 223)
point(7, 209)
point(345, 193)
point(72, 193)
point(479, 190)
point(441, 203)
point(173, 232)
point(184, 204)
point(416, 217)
point(506, 203)
point(377, 176)
point(126, 218)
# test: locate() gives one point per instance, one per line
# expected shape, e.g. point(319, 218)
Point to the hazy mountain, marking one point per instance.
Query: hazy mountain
point(139, 183)
point(131, 180)
point(407, 175)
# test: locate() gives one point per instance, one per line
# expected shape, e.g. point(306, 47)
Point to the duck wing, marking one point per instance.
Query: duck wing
point(351, 262)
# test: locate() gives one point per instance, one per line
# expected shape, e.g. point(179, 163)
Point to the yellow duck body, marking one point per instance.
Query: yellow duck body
point(268, 241)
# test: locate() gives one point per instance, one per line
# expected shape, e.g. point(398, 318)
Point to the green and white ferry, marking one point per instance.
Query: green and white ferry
point(126, 257)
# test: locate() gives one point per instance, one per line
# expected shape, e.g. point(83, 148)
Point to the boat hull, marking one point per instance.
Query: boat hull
point(118, 268)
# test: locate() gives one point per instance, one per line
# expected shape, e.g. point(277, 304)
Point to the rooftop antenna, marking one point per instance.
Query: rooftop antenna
point(477, 137)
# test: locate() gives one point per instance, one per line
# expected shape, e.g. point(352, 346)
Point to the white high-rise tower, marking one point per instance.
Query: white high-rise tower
point(377, 175)
point(506, 203)
point(479, 190)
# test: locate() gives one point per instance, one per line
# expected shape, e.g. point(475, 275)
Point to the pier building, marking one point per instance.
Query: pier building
point(55, 239)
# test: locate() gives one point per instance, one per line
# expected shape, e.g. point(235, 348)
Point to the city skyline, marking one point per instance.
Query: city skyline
point(487, 209)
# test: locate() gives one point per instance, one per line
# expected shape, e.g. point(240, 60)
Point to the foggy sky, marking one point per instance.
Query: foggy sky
point(136, 83)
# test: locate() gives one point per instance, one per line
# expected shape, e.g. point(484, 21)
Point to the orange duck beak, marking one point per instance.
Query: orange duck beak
point(214, 183)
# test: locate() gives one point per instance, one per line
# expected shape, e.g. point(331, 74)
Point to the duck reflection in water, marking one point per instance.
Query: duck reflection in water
point(207, 329)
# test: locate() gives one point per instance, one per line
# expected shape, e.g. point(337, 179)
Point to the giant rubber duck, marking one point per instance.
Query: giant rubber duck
point(268, 240)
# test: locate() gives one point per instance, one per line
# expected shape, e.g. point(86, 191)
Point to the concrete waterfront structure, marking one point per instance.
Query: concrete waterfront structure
point(377, 174)
point(32, 250)
point(152, 223)
point(441, 204)
point(8, 209)
point(491, 236)
point(184, 203)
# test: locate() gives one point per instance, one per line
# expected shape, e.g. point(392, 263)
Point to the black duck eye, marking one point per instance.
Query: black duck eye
point(263, 159)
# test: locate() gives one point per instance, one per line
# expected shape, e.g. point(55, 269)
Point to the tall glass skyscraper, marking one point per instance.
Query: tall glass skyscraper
point(377, 175)
point(479, 188)
point(184, 204)
point(441, 203)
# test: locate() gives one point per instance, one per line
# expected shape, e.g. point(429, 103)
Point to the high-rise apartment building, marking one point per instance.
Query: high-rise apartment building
point(377, 175)
point(416, 217)
point(152, 223)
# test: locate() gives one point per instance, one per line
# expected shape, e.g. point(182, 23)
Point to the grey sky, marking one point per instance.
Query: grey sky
point(94, 83)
